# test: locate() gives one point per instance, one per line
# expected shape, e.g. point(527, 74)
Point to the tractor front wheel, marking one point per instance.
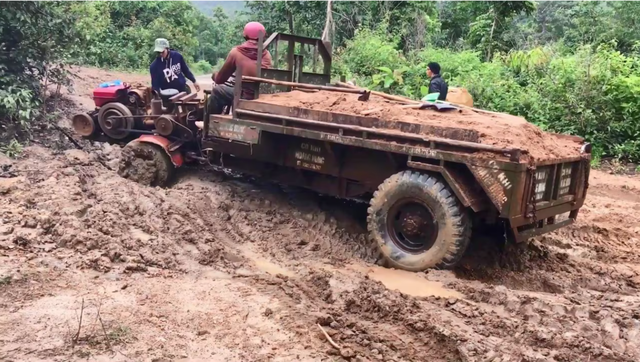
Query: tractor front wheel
point(146, 163)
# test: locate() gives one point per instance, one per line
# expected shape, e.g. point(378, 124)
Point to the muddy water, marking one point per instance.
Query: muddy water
point(407, 282)
point(271, 268)
point(265, 265)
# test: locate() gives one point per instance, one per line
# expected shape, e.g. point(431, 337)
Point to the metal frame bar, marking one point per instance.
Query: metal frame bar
point(470, 145)
point(399, 148)
point(527, 234)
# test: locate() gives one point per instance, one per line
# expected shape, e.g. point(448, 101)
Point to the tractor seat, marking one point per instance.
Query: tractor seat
point(168, 93)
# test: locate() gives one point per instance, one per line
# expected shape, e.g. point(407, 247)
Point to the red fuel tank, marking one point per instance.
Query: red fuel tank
point(102, 96)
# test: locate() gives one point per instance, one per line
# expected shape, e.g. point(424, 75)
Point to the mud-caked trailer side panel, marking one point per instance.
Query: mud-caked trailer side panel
point(423, 192)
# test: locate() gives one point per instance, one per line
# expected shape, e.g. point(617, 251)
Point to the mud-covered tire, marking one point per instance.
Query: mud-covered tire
point(448, 218)
point(146, 163)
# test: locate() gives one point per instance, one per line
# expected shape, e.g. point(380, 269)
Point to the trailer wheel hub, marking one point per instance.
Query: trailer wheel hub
point(412, 225)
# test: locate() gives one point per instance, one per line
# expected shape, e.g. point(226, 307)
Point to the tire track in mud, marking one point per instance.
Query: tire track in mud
point(510, 320)
point(364, 321)
point(305, 291)
point(558, 298)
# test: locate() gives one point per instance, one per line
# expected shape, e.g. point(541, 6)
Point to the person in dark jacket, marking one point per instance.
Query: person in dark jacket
point(436, 84)
point(169, 69)
point(244, 56)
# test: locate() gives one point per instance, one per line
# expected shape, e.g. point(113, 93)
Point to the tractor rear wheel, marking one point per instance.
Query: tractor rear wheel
point(146, 163)
point(417, 223)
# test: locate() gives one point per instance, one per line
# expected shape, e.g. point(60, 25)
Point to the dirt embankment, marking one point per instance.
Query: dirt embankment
point(493, 128)
point(222, 268)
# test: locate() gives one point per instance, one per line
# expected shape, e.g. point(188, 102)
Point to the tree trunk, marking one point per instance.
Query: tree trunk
point(327, 33)
point(290, 19)
point(493, 27)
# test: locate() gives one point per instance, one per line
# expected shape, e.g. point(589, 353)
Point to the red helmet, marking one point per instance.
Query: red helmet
point(252, 30)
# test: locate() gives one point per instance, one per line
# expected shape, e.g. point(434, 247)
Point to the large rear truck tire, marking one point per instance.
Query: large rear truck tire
point(146, 163)
point(417, 223)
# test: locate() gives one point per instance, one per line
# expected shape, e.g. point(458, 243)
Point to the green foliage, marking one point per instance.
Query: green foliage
point(594, 93)
point(120, 34)
point(19, 105)
point(412, 23)
point(367, 52)
point(202, 67)
point(13, 149)
point(389, 77)
point(30, 61)
point(481, 25)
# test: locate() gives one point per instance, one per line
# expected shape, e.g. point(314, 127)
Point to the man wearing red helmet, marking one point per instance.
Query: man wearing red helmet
point(245, 56)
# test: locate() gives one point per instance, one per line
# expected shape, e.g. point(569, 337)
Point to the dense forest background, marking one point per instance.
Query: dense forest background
point(570, 67)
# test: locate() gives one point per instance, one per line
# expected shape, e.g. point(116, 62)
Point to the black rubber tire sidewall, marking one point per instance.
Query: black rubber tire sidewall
point(453, 235)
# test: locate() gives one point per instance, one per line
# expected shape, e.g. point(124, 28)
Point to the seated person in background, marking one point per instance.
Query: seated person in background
point(436, 84)
point(169, 69)
point(245, 56)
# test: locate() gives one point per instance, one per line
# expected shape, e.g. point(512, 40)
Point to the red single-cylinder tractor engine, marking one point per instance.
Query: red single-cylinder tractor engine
point(116, 108)
point(124, 112)
point(156, 126)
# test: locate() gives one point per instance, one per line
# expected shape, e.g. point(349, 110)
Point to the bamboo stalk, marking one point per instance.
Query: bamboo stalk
point(303, 85)
point(383, 95)
point(413, 102)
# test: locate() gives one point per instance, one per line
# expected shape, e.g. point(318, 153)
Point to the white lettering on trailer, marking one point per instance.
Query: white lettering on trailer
point(309, 147)
point(502, 178)
point(303, 156)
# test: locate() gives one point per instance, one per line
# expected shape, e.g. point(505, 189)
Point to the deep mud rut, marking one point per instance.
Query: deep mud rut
point(217, 268)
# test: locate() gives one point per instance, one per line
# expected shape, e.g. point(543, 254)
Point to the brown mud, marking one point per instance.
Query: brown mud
point(496, 129)
point(223, 268)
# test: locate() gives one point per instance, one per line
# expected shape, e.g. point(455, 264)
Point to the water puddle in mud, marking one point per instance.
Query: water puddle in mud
point(265, 265)
point(407, 282)
point(271, 268)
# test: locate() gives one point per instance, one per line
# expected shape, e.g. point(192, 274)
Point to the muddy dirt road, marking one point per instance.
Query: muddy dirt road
point(216, 268)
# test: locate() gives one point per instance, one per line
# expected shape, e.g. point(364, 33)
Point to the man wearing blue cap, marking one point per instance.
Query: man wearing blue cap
point(169, 69)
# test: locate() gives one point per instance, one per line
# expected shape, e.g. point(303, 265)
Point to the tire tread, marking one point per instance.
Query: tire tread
point(458, 217)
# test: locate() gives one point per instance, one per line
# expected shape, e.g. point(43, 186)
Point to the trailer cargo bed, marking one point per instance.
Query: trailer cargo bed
point(489, 128)
point(364, 150)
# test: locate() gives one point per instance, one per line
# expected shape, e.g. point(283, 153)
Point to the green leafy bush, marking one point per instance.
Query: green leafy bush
point(593, 93)
point(367, 52)
point(202, 67)
point(29, 61)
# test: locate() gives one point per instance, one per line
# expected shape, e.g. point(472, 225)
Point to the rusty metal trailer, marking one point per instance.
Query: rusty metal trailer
point(425, 191)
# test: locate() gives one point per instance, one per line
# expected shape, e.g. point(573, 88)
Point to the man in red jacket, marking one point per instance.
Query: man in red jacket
point(245, 56)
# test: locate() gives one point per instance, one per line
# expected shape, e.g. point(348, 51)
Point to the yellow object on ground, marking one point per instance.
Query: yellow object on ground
point(460, 96)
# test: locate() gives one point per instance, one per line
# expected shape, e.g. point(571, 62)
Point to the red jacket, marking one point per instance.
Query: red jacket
point(245, 56)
